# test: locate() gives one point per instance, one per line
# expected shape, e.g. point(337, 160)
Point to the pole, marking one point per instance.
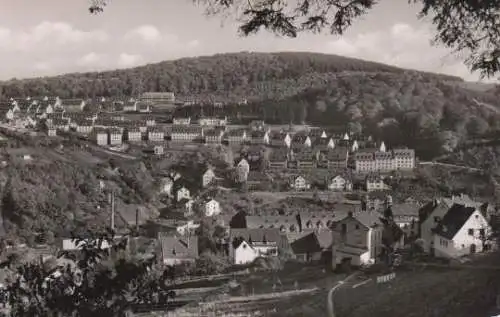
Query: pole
point(113, 211)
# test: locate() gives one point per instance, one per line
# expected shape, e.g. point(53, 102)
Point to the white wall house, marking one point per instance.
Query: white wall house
point(247, 253)
point(183, 193)
point(339, 183)
point(166, 186)
point(462, 231)
point(212, 208)
point(299, 183)
point(243, 166)
point(433, 213)
point(208, 178)
point(357, 238)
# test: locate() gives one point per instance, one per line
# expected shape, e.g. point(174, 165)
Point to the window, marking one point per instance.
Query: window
point(344, 228)
point(481, 232)
point(471, 232)
point(357, 227)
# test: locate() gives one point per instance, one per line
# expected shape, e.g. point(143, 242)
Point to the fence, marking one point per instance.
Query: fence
point(386, 278)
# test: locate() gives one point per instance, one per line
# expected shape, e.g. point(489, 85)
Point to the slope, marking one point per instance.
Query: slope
point(196, 76)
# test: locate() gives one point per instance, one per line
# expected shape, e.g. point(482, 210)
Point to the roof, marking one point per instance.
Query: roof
point(325, 238)
point(258, 235)
point(179, 247)
point(453, 221)
point(306, 244)
point(368, 218)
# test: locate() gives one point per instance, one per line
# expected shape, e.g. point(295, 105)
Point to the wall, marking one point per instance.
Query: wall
point(244, 254)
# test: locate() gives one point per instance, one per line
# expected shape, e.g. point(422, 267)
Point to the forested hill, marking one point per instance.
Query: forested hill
point(206, 76)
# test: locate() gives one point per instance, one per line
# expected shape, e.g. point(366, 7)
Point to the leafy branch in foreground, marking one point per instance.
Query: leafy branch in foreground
point(470, 27)
point(98, 280)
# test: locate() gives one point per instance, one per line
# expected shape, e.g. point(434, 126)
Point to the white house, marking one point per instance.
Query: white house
point(339, 183)
point(207, 178)
point(287, 140)
point(355, 146)
point(183, 193)
point(166, 186)
point(188, 211)
point(307, 142)
point(462, 230)
point(300, 183)
point(331, 144)
point(357, 238)
point(243, 166)
point(375, 183)
point(430, 215)
point(382, 147)
point(246, 245)
point(101, 137)
point(244, 253)
point(212, 208)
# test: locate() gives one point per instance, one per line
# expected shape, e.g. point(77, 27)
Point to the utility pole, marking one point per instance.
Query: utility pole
point(112, 201)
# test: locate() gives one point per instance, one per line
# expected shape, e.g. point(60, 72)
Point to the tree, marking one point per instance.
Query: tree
point(85, 284)
point(469, 27)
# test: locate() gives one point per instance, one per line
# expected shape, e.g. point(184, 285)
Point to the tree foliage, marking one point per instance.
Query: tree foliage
point(470, 27)
point(97, 280)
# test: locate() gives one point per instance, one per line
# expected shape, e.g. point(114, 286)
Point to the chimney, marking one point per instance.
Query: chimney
point(299, 221)
point(350, 214)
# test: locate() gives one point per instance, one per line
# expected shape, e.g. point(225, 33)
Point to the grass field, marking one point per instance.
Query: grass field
point(428, 292)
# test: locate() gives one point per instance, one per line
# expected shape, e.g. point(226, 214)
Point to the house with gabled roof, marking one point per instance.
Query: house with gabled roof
point(278, 159)
point(461, 231)
point(357, 239)
point(280, 139)
point(246, 245)
point(300, 182)
point(208, 178)
point(211, 208)
point(339, 182)
point(175, 250)
point(183, 193)
point(429, 217)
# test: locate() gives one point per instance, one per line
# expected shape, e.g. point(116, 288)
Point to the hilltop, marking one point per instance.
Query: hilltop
point(205, 75)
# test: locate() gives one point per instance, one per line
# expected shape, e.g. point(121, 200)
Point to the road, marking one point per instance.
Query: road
point(331, 309)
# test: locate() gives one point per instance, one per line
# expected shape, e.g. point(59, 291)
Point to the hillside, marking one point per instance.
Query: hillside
point(206, 75)
point(431, 112)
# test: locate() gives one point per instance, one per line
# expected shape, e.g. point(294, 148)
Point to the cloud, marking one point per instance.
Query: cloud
point(129, 60)
point(92, 59)
point(148, 33)
point(404, 46)
point(48, 35)
point(43, 66)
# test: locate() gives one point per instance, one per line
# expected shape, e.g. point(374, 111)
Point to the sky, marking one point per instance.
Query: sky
point(51, 37)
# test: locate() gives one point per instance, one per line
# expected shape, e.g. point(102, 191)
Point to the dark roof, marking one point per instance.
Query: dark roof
point(306, 244)
point(177, 247)
point(454, 220)
point(259, 235)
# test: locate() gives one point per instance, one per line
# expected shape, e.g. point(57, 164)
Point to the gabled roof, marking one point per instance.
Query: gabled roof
point(306, 244)
point(257, 234)
point(368, 218)
point(453, 221)
point(179, 247)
